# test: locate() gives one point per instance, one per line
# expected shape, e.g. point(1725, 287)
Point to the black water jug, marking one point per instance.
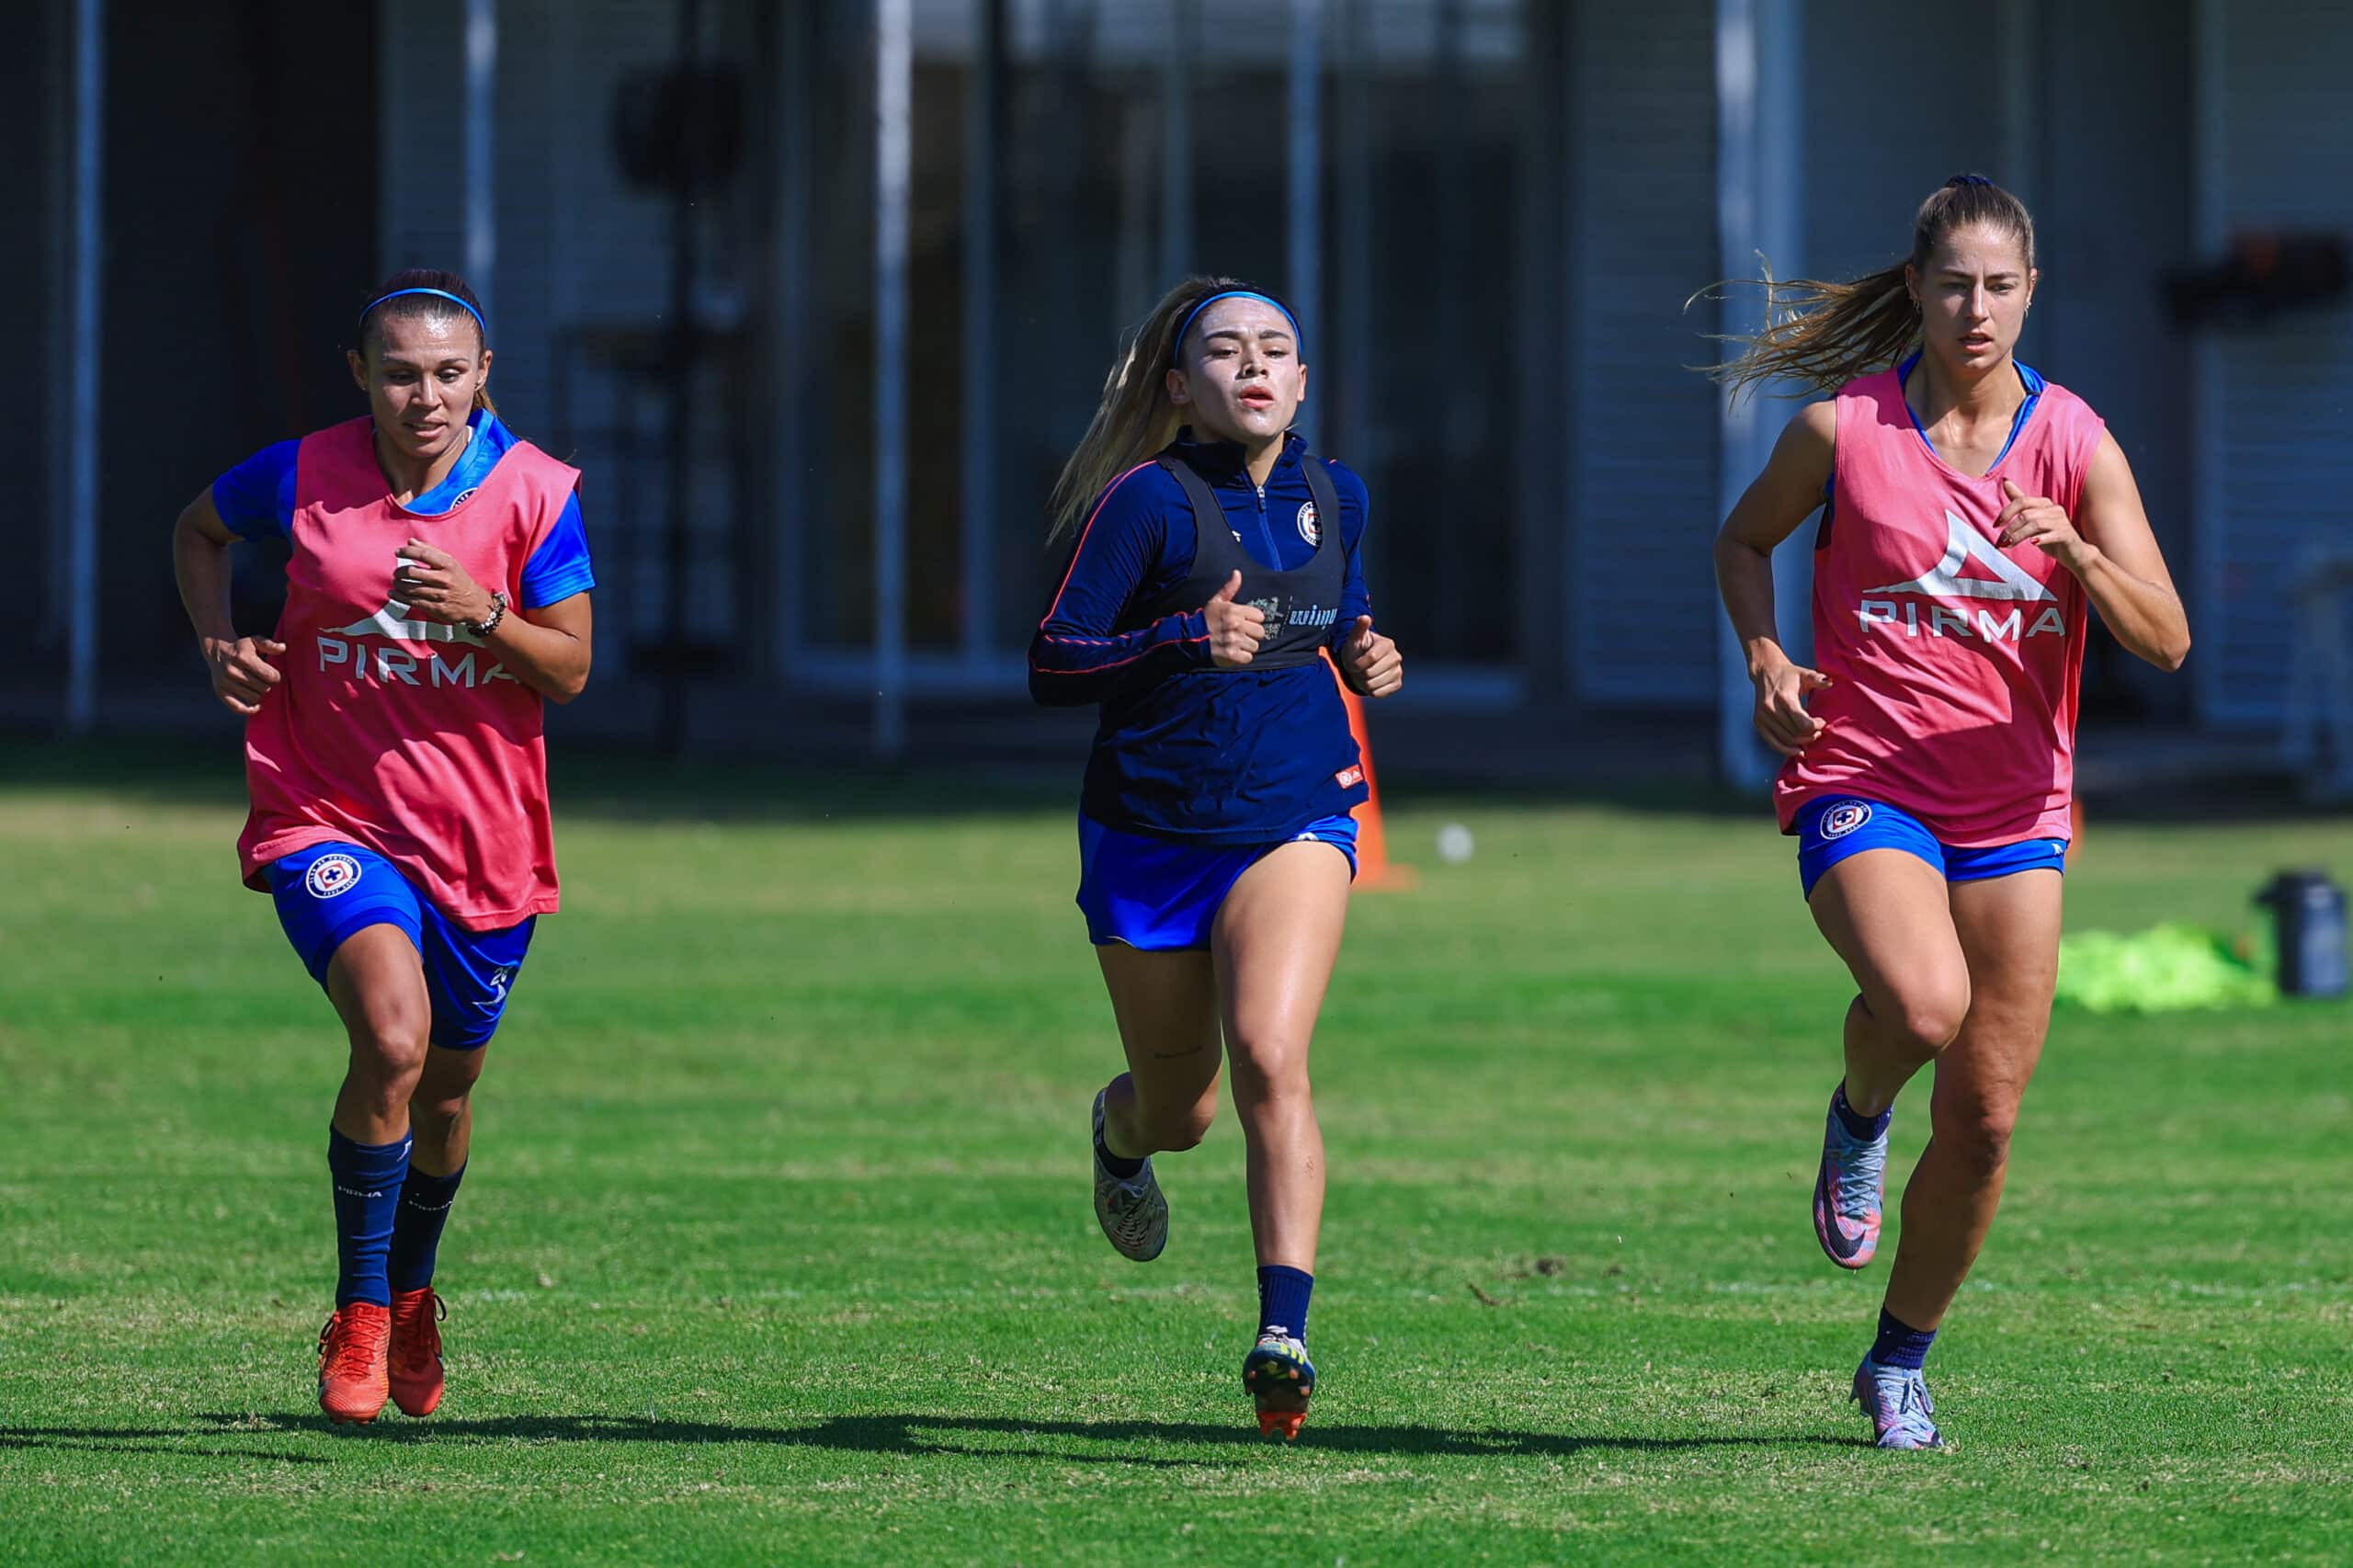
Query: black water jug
point(2308, 917)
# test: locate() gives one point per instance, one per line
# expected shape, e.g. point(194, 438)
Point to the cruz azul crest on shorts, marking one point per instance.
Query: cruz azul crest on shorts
point(1309, 528)
point(331, 874)
point(1844, 817)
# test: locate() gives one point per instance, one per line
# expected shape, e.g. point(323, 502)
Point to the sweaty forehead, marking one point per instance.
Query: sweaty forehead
point(1253, 316)
point(425, 339)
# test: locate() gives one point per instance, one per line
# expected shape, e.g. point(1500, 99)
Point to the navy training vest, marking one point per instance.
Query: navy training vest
point(1239, 756)
point(1299, 605)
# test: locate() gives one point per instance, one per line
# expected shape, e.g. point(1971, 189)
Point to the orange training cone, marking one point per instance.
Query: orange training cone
point(1375, 873)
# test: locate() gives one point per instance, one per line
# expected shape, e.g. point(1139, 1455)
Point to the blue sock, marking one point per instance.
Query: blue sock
point(1282, 1301)
point(366, 1190)
point(416, 1227)
point(1124, 1169)
point(1857, 1125)
point(1899, 1344)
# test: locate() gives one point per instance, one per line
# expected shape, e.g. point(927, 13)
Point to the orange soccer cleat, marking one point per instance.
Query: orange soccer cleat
point(1283, 1424)
point(416, 1350)
point(1280, 1379)
point(352, 1382)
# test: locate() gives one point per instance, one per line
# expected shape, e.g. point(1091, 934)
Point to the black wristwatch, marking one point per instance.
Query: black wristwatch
point(489, 623)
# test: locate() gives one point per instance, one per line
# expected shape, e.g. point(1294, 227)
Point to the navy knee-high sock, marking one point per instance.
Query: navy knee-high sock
point(1282, 1300)
point(417, 1226)
point(368, 1179)
point(1899, 1344)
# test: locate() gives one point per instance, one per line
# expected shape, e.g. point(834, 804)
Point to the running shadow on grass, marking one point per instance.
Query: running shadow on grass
point(910, 1434)
point(140, 1440)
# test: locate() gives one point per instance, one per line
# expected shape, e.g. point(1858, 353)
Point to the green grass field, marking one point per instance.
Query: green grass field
point(776, 1243)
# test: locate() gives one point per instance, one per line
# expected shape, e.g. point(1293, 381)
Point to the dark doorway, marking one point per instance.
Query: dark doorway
point(241, 236)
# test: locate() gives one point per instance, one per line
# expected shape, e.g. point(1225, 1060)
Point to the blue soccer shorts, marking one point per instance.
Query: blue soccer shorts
point(1163, 896)
point(1836, 826)
point(327, 891)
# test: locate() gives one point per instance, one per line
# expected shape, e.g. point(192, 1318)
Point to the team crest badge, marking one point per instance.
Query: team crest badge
point(331, 874)
point(1844, 817)
point(1311, 528)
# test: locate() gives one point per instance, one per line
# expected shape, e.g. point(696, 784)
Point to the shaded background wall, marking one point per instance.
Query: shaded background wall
point(239, 212)
point(1512, 201)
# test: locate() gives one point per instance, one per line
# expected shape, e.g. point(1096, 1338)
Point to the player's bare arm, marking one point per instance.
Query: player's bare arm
point(1773, 508)
point(2111, 550)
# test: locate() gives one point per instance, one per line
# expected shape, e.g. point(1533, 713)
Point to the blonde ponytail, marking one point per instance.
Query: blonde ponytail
point(1825, 334)
point(1819, 335)
point(1135, 418)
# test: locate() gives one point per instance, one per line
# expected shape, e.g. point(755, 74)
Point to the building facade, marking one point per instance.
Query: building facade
point(908, 234)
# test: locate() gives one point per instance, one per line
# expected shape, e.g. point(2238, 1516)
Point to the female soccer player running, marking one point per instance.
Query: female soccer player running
point(1218, 564)
point(1973, 513)
point(438, 594)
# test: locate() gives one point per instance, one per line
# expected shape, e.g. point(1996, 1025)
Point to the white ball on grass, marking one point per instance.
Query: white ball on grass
point(1454, 844)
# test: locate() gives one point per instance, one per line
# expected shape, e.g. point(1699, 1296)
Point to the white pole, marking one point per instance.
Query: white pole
point(976, 516)
point(788, 339)
point(1304, 192)
point(1759, 202)
point(2021, 73)
point(82, 471)
point(1176, 142)
point(1344, 372)
point(1780, 227)
point(482, 148)
point(2210, 533)
point(893, 92)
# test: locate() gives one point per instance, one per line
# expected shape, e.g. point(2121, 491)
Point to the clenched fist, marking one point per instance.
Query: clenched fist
point(1370, 661)
point(1236, 630)
point(242, 671)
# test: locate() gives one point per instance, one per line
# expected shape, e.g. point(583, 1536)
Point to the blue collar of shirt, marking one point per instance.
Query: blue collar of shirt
point(2031, 378)
point(1221, 462)
point(490, 442)
point(2028, 377)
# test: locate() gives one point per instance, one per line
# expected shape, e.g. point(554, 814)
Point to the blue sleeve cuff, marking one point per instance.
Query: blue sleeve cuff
point(557, 587)
point(560, 567)
point(1194, 638)
point(256, 497)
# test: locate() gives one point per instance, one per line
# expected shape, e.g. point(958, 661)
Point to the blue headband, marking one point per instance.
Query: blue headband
point(1966, 179)
point(436, 294)
point(1176, 350)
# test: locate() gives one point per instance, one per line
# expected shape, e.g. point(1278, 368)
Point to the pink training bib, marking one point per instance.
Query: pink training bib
point(1955, 664)
point(400, 735)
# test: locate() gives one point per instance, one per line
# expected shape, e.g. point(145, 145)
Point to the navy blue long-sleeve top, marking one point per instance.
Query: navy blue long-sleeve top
point(1184, 749)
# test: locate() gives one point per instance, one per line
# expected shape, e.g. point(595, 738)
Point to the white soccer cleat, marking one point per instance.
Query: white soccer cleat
point(1133, 1214)
point(1896, 1399)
